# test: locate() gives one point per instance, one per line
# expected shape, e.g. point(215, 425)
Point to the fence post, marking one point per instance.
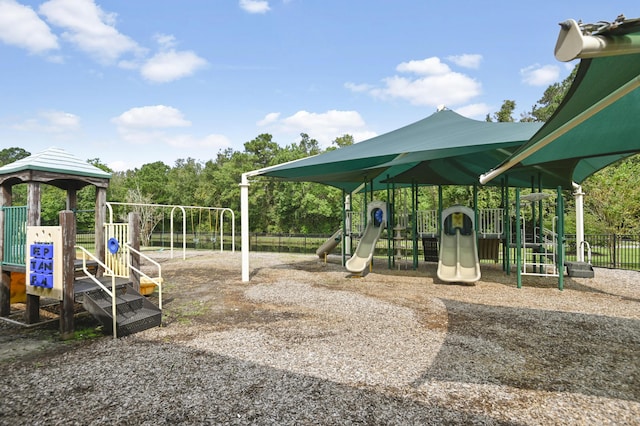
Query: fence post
point(614, 250)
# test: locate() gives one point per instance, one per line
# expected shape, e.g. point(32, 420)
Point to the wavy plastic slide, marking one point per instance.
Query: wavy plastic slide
point(458, 260)
point(328, 246)
point(364, 253)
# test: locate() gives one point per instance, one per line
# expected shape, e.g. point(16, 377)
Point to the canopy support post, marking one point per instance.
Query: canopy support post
point(579, 199)
point(560, 239)
point(518, 241)
point(244, 225)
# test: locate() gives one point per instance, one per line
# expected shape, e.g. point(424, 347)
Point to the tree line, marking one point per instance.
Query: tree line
point(611, 203)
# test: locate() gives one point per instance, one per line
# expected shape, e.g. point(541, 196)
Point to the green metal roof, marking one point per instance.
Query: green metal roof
point(55, 160)
point(597, 123)
point(469, 146)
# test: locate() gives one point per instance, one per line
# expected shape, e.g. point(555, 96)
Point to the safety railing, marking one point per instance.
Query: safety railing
point(117, 258)
point(356, 220)
point(157, 281)
point(491, 222)
point(15, 234)
point(111, 273)
point(427, 222)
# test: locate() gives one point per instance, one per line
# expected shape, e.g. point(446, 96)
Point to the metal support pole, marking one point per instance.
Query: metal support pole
point(518, 241)
point(389, 227)
point(579, 198)
point(244, 225)
point(560, 242)
point(414, 226)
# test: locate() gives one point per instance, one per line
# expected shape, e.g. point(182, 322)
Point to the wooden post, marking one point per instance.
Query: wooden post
point(68, 225)
point(72, 199)
point(32, 312)
point(134, 241)
point(101, 212)
point(5, 277)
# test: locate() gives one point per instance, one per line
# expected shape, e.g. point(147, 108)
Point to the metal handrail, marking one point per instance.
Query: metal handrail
point(585, 243)
point(157, 281)
point(111, 292)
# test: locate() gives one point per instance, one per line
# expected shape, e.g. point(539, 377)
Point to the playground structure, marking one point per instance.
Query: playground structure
point(46, 263)
point(593, 127)
point(458, 238)
point(58, 271)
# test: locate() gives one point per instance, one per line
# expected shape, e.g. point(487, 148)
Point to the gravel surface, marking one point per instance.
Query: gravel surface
point(304, 343)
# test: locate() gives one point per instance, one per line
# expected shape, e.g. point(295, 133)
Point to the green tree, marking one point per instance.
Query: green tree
point(612, 200)
point(342, 141)
point(550, 100)
point(151, 181)
point(183, 181)
point(505, 115)
point(9, 155)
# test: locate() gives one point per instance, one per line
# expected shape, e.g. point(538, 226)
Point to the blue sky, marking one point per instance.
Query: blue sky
point(138, 81)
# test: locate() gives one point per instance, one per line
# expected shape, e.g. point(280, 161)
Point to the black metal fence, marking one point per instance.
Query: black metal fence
point(607, 251)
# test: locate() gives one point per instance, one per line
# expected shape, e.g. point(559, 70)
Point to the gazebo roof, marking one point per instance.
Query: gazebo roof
point(56, 167)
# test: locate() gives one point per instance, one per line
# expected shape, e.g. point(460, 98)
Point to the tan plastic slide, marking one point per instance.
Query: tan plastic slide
point(364, 253)
point(458, 258)
point(328, 246)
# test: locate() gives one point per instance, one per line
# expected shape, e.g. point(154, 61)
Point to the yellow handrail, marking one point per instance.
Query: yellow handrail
point(111, 292)
point(157, 281)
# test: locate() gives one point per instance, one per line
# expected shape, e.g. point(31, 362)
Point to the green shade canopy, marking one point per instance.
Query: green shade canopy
point(469, 145)
point(597, 123)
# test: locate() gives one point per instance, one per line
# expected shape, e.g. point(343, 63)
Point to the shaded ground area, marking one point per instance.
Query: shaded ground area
point(303, 343)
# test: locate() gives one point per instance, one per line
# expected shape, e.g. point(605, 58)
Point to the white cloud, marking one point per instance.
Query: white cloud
point(476, 111)
point(255, 6)
point(171, 65)
point(324, 127)
point(435, 84)
point(89, 28)
point(119, 166)
point(59, 121)
point(540, 75)
point(52, 122)
point(151, 117)
point(93, 31)
point(20, 26)
point(268, 119)
point(166, 41)
point(466, 60)
point(445, 89)
point(358, 87)
point(429, 66)
point(153, 125)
